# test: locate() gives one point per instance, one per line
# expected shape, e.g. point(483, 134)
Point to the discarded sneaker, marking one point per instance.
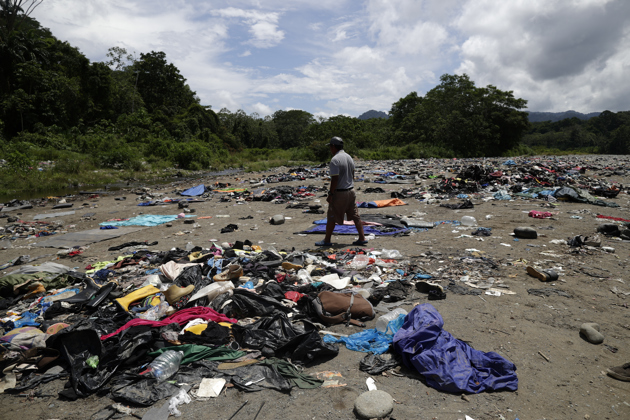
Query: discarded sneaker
point(426, 287)
point(590, 331)
point(620, 372)
point(360, 243)
point(542, 275)
point(175, 293)
point(290, 266)
point(595, 241)
point(231, 272)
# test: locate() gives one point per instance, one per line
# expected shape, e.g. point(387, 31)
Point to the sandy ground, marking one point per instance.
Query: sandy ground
point(561, 376)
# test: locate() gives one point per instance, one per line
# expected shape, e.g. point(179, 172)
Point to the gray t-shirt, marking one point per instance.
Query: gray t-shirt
point(342, 164)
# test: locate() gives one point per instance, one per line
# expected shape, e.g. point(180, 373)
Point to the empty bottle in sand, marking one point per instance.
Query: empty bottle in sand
point(384, 320)
point(166, 364)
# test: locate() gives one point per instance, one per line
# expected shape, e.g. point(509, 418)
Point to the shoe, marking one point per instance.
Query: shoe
point(231, 272)
point(141, 293)
point(620, 372)
point(34, 289)
point(104, 291)
point(360, 243)
point(542, 275)
point(322, 243)
point(85, 295)
point(426, 287)
point(290, 266)
point(175, 293)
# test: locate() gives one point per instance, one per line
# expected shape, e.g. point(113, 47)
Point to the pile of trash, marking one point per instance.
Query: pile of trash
point(137, 326)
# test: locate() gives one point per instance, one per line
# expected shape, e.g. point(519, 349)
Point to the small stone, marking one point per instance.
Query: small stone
point(374, 404)
point(169, 225)
point(278, 219)
point(590, 331)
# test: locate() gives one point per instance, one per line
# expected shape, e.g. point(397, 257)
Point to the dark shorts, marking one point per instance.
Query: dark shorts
point(343, 203)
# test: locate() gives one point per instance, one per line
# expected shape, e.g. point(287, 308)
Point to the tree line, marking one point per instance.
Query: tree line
point(133, 110)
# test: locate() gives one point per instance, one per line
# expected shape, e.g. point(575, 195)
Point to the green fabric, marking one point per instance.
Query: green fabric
point(194, 352)
point(290, 372)
point(49, 280)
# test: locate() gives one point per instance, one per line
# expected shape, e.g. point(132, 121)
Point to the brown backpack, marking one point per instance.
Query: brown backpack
point(348, 307)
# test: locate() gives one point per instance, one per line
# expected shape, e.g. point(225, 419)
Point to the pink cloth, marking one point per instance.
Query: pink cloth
point(179, 317)
point(540, 214)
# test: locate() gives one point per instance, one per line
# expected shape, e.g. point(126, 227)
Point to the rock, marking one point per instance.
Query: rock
point(278, 219)
point(609, 229)
point(374, 404)
point(590, 331)
point(525, 232)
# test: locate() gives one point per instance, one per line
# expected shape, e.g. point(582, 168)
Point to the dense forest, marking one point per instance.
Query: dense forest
point(137, 113)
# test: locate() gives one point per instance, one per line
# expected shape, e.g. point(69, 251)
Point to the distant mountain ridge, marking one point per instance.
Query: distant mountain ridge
point(373, 114)
point(557, 116)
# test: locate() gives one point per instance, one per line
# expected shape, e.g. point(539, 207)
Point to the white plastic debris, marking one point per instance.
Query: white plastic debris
point(179, 399)
point(371, 385)
point(210, 387)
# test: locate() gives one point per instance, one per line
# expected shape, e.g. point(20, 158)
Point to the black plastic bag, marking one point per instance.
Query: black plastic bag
point(246, 304)
point(141, 390)
point(374, 364)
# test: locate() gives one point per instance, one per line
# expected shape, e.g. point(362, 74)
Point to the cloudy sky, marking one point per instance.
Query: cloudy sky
point(332, 57)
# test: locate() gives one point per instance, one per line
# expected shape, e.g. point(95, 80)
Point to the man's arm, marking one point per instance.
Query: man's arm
point(334, 180)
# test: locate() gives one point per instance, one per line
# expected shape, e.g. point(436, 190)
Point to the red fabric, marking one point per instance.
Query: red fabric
point(294, 296)
point(179, 317)
point(540, 214)
point(618, 219)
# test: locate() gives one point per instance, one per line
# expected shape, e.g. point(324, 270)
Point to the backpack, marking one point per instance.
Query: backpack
point(337, 307)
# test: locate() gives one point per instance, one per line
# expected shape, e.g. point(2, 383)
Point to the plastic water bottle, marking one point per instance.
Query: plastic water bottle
point(469, 221)
point(384, 320)
point(166, 364)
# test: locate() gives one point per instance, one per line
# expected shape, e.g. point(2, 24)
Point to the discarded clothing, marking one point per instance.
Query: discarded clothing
point(178, 317)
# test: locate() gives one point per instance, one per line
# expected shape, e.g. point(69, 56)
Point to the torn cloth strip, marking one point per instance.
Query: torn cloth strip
point(449, 364)
point(179, 317)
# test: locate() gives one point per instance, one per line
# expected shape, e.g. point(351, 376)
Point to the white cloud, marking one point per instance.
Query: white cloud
point(263, 26)
point(262, 109)
point(557, 57)
point(345, 57)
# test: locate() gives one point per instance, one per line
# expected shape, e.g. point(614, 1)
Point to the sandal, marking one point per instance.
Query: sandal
point(323, 243)
point(542, 275)
point(360, 243)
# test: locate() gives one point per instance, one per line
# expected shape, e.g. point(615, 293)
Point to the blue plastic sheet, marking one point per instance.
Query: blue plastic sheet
point(449, 364)
point(371, 340)
point(352, 230)
point(509, 162)
point(195, 191)
point(367, 204)
point(144, 220)
point(501, 196)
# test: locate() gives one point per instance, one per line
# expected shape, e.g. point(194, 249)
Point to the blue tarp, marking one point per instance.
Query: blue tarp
point(352, 230)
point(371, 340)
point(144, 220)
point(195, 191)
point(509, 162)
point(367, 204)
point(447, 363)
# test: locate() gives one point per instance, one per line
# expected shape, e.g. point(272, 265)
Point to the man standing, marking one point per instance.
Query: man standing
point(341, 197)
